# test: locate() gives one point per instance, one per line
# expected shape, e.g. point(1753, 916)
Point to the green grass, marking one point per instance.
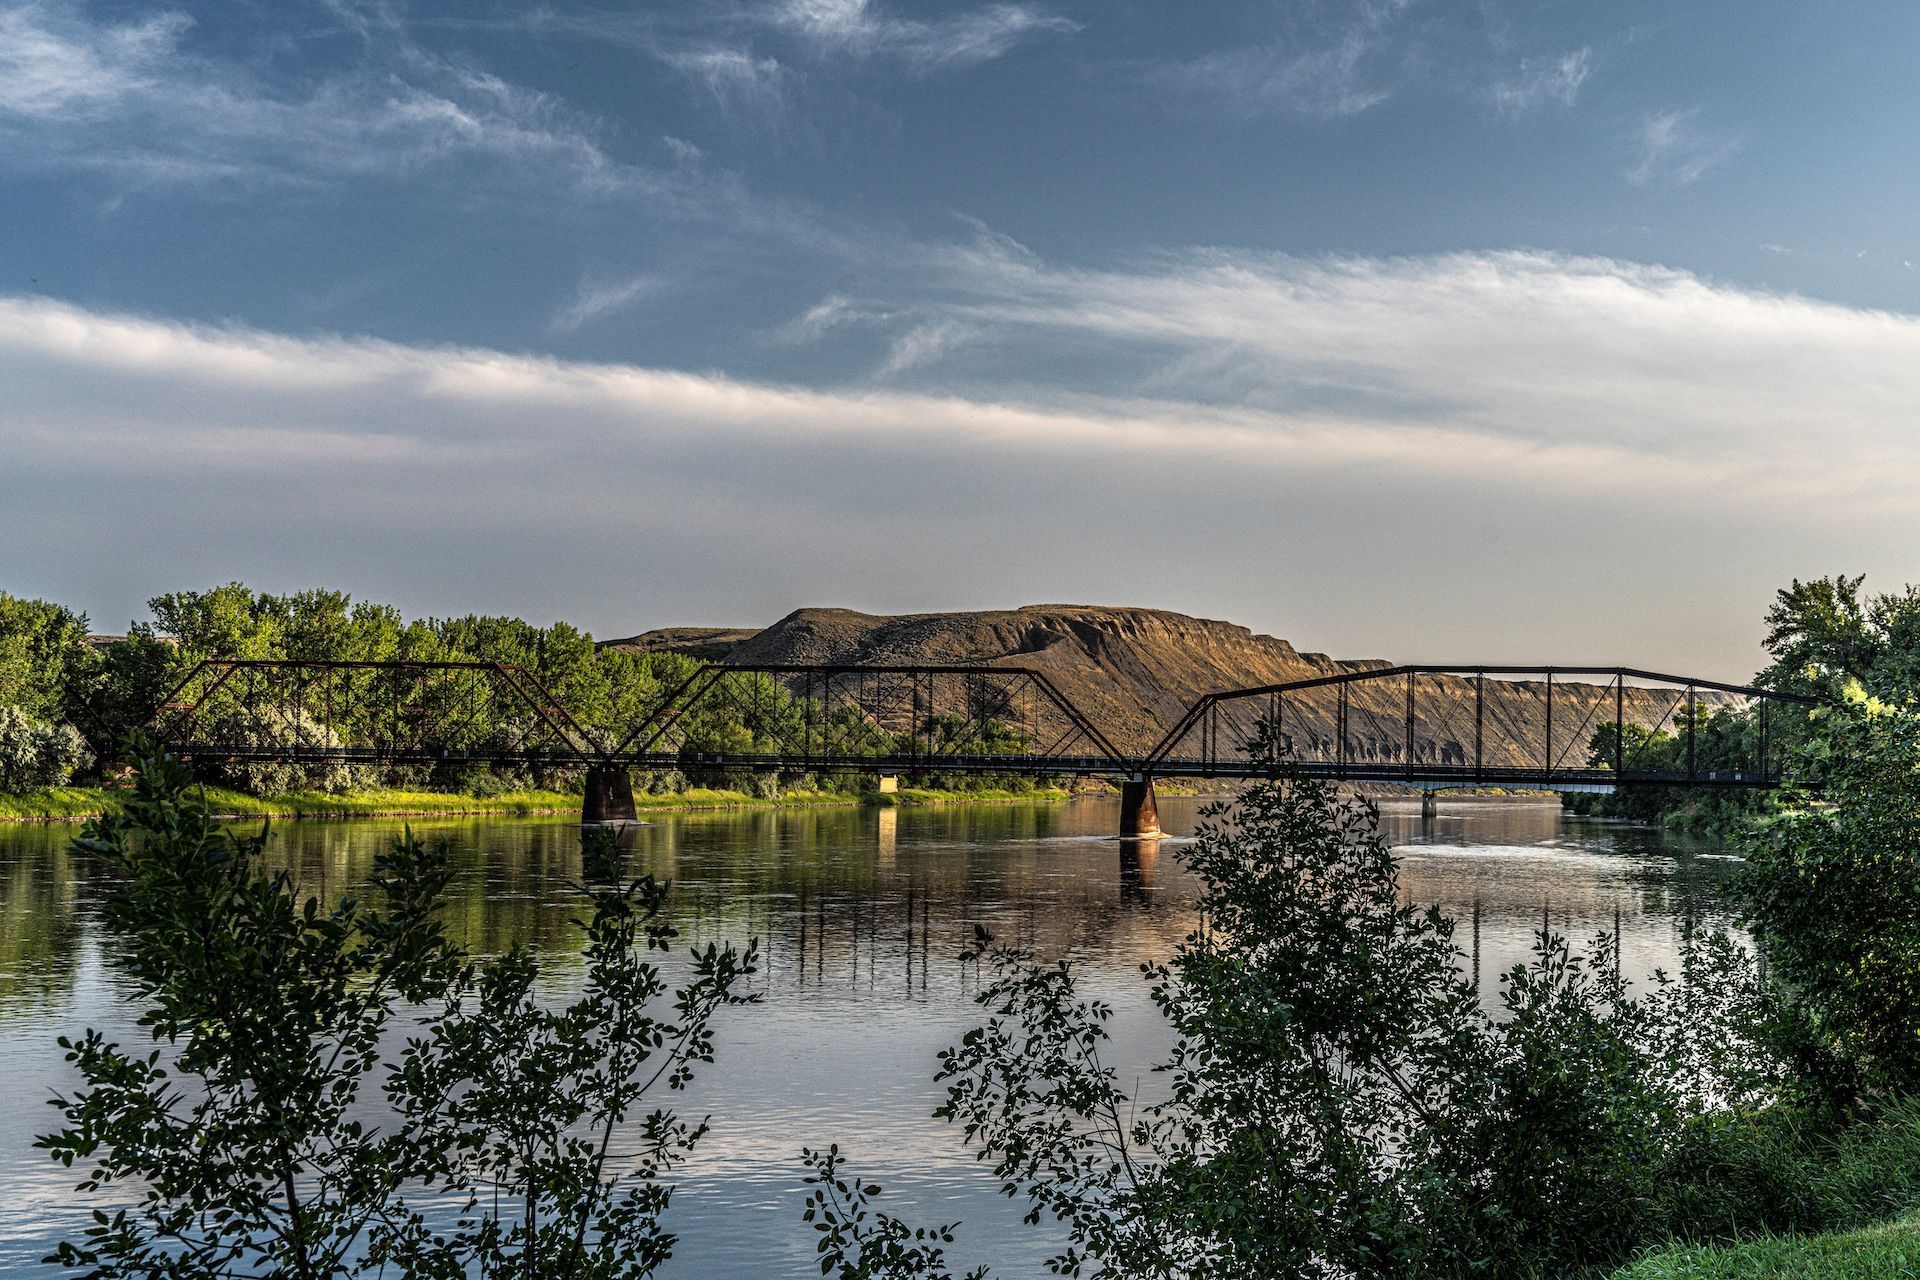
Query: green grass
point(1884, 1252)
point(70, 803)
point(58, 803)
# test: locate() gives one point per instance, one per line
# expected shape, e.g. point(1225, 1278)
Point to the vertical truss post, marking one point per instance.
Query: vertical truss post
point(1479, 721)
point(1407, 759)
point(1547, 746)
point(1691, 717)
point(1764, 773)
point(1620, 724)
point(1340, 727)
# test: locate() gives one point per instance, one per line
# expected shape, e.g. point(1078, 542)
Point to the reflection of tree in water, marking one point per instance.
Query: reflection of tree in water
point(1519, 865)
point(858, 900)
point(45, 888)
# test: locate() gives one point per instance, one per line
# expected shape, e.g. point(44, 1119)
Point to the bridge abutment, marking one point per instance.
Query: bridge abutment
point(609, 797)
point(1139, 814)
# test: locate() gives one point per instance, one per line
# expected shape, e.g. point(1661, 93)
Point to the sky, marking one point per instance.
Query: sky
point(1435, 330)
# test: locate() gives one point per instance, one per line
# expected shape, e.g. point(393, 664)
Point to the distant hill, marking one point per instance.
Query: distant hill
point(1133, 671)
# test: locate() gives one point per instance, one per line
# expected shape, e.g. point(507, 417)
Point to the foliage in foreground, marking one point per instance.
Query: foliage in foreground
point(273, 1132)
point(1338, 1101)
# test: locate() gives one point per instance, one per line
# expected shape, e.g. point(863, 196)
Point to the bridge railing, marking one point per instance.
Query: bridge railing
point(1537, 724)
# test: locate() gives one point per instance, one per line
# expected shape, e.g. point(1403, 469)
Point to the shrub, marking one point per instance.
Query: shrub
point(35, 754)
point(1339, 1102)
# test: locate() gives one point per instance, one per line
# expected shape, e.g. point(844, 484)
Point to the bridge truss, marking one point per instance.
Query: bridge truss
point(1428, 726)
point(1433, 726)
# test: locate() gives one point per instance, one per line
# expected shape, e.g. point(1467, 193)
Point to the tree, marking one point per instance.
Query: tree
point(1832, 890)
point(45, 656)
point(1823, 633)
point(245, 1127)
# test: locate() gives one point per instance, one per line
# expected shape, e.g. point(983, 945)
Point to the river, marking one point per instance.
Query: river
point(862, 913)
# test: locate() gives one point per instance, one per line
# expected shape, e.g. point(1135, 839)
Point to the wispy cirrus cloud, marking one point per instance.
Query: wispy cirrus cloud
point(598, 299)
point(1544, 81)
point(1674, 147)
point(130, 98)
point(737, 82)
point(862, 28)
point(1331, 61)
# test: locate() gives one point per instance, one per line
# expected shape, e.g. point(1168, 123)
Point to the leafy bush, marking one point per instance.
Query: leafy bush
point(272, 1018)
point(35, 754)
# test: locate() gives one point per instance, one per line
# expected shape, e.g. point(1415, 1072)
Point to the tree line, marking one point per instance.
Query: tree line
point(67, 698)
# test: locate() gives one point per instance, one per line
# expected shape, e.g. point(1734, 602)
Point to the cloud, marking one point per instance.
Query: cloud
point(1510, 435)
point(1334, 65)
point(1539, 351)
point(735, 81)
point(598, 299)
point(1544, 80)
point(925, 344)
point(1318, 82)
point(1556, 372)
point(130, 99)
point(860, 28)
point(1673, 148)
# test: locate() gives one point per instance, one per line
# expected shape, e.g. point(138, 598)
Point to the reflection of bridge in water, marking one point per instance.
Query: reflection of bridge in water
point(1431, 728)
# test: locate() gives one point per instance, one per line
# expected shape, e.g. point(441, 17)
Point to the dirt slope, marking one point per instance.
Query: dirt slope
point(1134, 671)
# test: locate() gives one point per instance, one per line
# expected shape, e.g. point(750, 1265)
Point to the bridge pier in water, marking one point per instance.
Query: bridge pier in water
point(1139, 815)
point(609, 797)
point(1429, 805)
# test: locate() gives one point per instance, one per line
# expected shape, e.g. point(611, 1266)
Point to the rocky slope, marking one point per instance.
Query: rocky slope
point(1134, 672)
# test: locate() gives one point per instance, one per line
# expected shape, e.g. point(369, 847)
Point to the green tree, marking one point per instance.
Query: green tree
point(1832, 889)
point(248, 1129)
point(45, 657)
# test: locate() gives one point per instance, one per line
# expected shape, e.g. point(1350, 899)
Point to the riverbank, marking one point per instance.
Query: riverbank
point(72, 804)
point(1884, 1252)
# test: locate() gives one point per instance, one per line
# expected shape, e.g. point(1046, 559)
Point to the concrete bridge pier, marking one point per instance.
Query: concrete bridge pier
point(1139, 815)
point(1429, 805)
point(609, 797)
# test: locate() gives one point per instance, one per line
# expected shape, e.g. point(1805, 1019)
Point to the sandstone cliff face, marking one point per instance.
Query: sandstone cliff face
point(1134, 672)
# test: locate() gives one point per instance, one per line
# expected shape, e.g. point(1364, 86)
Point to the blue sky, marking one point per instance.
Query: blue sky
point(1433, 330)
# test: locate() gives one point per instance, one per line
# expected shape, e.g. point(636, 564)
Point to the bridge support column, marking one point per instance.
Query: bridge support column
point(889, 784)
point(1139, 815)
point(1429, 805)
point(609, 796)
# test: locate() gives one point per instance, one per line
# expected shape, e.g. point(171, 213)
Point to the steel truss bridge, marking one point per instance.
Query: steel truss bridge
point(1432, 727)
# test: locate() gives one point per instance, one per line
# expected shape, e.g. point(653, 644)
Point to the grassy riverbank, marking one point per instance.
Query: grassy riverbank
point(1890, 1251)
point(65, 804)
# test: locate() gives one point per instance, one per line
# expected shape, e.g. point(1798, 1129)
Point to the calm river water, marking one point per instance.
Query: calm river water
point(861, 914)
